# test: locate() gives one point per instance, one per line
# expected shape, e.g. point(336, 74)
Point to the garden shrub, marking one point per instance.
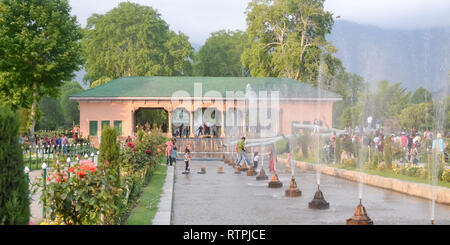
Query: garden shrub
point(281, 146)
point(14, 192)
point(80, 196)
point(445, 175)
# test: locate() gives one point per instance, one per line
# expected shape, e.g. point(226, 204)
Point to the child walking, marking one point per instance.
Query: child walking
point(255, 160)
point(187, 158)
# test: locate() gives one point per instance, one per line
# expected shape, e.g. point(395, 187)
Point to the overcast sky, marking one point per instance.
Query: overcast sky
point(198, 18)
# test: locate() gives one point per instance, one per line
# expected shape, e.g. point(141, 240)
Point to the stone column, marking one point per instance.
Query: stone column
point(169, 131)
point(244, 123)
point(191, 118)
point(222, 134)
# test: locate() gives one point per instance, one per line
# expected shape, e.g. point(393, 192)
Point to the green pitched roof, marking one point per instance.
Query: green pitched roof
point(166, 86)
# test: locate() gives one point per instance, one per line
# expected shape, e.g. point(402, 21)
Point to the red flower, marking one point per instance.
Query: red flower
point(130, 144)
point(88, 165)
point(81, 173)
point(159, 150)
point(48, 178)
point(149, 152)
point(71, 169)
point(78, 157)
point(134, 149)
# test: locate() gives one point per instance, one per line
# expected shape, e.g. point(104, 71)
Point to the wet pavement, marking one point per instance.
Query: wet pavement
point(238, 199)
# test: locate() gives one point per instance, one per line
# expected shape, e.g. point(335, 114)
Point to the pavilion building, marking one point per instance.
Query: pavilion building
point(233, 106)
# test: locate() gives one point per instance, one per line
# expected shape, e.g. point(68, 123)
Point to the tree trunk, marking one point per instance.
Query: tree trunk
point(33, 109)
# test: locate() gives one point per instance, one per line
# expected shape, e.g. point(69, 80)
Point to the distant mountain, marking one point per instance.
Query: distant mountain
point(416, 58)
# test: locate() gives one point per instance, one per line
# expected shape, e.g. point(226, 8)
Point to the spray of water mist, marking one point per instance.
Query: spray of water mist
point(318, 112)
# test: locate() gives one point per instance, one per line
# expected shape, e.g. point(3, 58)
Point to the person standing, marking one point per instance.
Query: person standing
point(58, 143)
point(174, 153)
point(438, 144)
point(64, 143)
point(54, 142)
point(169, 152)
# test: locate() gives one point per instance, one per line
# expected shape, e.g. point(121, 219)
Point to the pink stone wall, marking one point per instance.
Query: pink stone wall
point(110, 110)
point(124, 111)
point(305, 111)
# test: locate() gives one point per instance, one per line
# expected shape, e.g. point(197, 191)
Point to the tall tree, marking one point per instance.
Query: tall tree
point(417, 116)
point(14, 193)
point(70, 109)
point(421, 95)
point(50, 116)
point(40, 49)
point(220, 56)
point(133, 40)
point(287, 39)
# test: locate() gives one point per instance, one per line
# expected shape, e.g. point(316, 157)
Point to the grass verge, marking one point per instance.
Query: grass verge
point(387, 174)
point(147, 204)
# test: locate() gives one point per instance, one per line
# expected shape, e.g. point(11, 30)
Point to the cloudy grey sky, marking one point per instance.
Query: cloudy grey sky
point(198, 18)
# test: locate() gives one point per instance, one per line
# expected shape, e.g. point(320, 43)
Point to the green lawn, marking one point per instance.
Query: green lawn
point(148, 202)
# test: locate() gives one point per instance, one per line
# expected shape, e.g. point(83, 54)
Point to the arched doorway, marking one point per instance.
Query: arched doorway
point(207, 122)
point(181, 123)
point(149, 118)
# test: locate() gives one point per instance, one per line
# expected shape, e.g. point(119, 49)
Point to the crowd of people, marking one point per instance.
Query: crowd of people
point(55, 143)
point(411, 143)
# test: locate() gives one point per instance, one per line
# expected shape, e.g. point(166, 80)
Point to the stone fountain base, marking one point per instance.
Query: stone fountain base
point(360, 216)
point(262, 175)
point(251, 171)
point(275, 182)
point(293, 190)
point(202, 170)
point(237, 169)
point(319, 201)
point(244, 167)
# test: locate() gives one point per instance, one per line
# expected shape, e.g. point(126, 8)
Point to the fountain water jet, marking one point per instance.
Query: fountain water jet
point(262, 174)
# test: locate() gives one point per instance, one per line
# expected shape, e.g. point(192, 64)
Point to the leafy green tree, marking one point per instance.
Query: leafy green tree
point(70, 109)
point(421, 95)
point(286, 38)
point(14, 193)
point(349, 86)
point(51, 116)
point(133, 40)
point(220, 56)
point(417, 116)
point(40, 48)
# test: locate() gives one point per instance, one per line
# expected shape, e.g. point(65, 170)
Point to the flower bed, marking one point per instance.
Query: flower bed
point(86, 194)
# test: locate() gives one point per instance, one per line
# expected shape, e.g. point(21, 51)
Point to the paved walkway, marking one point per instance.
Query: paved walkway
point(164, 214)
point(35, 205)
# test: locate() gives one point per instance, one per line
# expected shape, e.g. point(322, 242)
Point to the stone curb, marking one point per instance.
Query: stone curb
point(442, 194)
point(164, 214)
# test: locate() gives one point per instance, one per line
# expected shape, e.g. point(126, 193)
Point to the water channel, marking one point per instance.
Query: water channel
point(238, 199)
